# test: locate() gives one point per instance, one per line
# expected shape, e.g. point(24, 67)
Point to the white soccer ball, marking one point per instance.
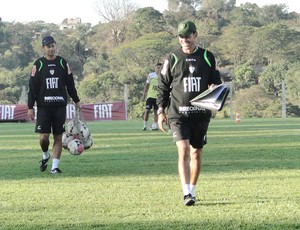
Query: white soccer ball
point(84, 132)
point(88, 142)
point(73, 127)
point(76, 129)
point(75, 147)
point(66, 138)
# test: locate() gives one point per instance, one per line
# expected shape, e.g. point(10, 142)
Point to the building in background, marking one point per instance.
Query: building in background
point(70, 23)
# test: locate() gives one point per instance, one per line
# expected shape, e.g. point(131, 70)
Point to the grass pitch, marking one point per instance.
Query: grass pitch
point(128, 179)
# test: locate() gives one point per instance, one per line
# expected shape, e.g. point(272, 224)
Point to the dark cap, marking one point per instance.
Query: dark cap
point(48, 40)
point(159, 64)
point(186, 28)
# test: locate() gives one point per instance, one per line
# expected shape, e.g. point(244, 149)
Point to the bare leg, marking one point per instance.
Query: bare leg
point(57, 149)
point(189, 166)
point(195, 164)
point(155, 116)
point(183, 148)
point(146, 117)
point(57, 146)
point(44, 141)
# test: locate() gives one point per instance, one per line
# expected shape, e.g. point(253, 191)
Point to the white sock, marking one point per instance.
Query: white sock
point(46, 155)
point(192, 189)
point(145, 123)
point(186, 189)
point(55, 163)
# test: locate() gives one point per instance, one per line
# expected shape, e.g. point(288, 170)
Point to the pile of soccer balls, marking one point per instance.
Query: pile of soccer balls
point(77, 137)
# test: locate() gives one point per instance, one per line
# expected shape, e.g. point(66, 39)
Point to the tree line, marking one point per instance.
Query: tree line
point(256, 49)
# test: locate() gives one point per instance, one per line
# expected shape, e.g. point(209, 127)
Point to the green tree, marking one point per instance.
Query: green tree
point(243, 76)
point(11, 82)
point(272, 76)
point(179, 10)
point(117, 13)
point(232, 45)
point(146, 20)
point(256, 102)
point(217, 11)
point(292, 83)
point(132, 61)
point(138, 56)
point(245, 15)
point(274, 42)
point(15, 49)
point(96, 65)
point(273, 13)
point(100, 88)
point(73, 47)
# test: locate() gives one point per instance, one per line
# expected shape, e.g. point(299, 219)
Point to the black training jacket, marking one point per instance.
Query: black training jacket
point(183, 77)
point(49, 83)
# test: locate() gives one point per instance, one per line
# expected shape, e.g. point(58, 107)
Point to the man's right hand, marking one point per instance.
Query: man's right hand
point(30, 114)
point(162, 118)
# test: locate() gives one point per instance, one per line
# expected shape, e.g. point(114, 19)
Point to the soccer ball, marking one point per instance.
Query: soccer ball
point(75, 147)
point(84, 132)
point(66, 138)
point(88, 142)
point(76, 129)
point(73, 127)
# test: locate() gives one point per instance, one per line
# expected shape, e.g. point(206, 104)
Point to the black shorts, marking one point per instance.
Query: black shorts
point(192, 130)
point(151, 103)
point(50, 118)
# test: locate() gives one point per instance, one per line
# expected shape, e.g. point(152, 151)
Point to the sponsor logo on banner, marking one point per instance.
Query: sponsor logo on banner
point(90, 112)
point(7, 112)
point(103, 111)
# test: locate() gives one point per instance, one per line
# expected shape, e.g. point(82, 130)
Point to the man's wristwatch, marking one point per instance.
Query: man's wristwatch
point(160, 110)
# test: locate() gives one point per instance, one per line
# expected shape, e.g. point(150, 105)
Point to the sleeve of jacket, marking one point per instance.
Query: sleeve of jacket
point(33, 86)
point(216, 77)
point(71, 86)
point(165, 79)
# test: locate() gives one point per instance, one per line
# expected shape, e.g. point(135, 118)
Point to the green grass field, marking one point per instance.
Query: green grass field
point(128, 179)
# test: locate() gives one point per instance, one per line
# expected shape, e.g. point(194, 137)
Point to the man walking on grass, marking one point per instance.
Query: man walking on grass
point(50, 80)
point(186, 72)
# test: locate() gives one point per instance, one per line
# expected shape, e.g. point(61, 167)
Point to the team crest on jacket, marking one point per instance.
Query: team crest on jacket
point(51, 71)
point(192, 69)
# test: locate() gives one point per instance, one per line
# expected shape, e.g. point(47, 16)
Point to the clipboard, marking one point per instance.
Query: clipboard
point(212, 99)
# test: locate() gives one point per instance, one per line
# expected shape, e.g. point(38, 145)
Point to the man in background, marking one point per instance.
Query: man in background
point(150, 93)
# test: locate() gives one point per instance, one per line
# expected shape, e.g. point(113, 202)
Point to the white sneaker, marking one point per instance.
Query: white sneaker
point(154, 126)
point(56, 170)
